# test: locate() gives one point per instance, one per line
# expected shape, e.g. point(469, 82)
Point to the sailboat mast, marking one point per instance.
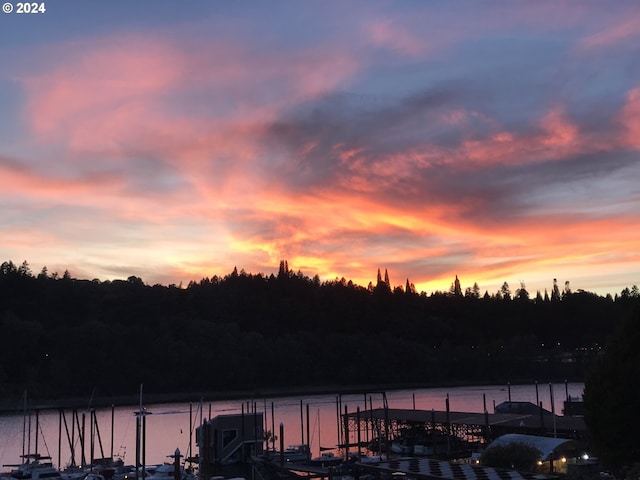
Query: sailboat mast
point(24, 425)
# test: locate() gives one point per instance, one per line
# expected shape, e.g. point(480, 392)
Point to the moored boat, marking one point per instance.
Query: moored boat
point(167, 471)
point(327, 459)
point(34, 467)
point(295, 454)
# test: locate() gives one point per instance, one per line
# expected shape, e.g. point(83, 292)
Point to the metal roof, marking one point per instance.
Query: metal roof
point(466, 418)
point(546, 445)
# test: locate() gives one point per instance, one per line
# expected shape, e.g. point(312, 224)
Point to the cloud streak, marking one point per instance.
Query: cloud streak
point(487, 149)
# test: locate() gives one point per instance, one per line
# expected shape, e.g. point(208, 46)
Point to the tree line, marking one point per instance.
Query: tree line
point(69, 337)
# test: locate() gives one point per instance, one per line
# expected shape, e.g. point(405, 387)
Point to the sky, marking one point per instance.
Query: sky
point(174, 140)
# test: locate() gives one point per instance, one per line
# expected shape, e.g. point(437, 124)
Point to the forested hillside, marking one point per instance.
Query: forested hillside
point(66, 337)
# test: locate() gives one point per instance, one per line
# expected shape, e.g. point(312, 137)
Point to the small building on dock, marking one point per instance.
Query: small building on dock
point(227, 439)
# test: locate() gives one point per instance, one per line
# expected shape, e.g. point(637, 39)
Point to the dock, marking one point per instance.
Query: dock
point(473, 427)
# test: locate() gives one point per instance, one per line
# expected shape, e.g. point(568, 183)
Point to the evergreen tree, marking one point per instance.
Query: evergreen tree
point(610, 397)
point(555, 291)
point(505, 291)
point(283, 270)
point(456, 289)
point(24, 270)
point(409, 288)
point(8, 268)
point(518, 455)
point(43, 273)
point(522, 293)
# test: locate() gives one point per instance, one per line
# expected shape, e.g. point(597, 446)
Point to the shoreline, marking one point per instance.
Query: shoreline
point(15, 405)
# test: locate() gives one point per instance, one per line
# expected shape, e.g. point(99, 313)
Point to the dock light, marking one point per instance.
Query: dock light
point(585, 456)
point(563, 459)
point(539, 462)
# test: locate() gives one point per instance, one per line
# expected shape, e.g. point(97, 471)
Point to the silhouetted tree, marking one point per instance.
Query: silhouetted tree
point(610, 396)
point(522, 293)
point(505, 291)
point(456, 289)
point(409, 288)
point(383, 286)
point(44, 274)
point(517, 455)
point(268, 325)
point(555, 291)
point(24, 270)
point(8, 268)
point(283, 270)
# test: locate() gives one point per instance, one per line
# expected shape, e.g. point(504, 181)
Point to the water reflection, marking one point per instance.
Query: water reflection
point(312, 417)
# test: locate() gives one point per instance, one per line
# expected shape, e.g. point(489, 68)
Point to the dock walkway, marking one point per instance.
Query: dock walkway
point(466, 425)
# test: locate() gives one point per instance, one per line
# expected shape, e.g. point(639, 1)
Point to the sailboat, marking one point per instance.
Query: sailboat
point(34, 467)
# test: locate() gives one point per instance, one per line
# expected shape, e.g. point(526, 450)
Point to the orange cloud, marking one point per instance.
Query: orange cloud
point(168, 144)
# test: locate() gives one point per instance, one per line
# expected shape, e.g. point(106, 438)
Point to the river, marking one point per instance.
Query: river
point(169, 426)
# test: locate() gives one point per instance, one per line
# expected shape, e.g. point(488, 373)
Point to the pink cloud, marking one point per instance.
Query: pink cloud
point(25, 182)
point(113, 96)
point(556, 137)
point(389, 35)
point(115, 77)
point(199, 112)
point(613, 35)
point(630, 118)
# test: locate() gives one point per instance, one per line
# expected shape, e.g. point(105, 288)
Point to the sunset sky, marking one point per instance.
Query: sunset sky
point(173, 140)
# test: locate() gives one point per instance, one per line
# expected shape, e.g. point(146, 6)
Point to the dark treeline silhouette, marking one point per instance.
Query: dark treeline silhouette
point(67, 337)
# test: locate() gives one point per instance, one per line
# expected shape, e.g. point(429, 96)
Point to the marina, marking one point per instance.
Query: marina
point(334, 427)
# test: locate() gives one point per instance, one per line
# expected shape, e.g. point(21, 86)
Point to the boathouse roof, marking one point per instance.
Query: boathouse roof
point(508, 421)
point(527, 408)
point(548, 447)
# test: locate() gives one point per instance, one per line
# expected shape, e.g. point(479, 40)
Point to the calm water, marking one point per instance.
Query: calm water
point(169, 425)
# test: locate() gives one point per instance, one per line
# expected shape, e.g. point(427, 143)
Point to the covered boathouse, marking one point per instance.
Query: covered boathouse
point(388, 424)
